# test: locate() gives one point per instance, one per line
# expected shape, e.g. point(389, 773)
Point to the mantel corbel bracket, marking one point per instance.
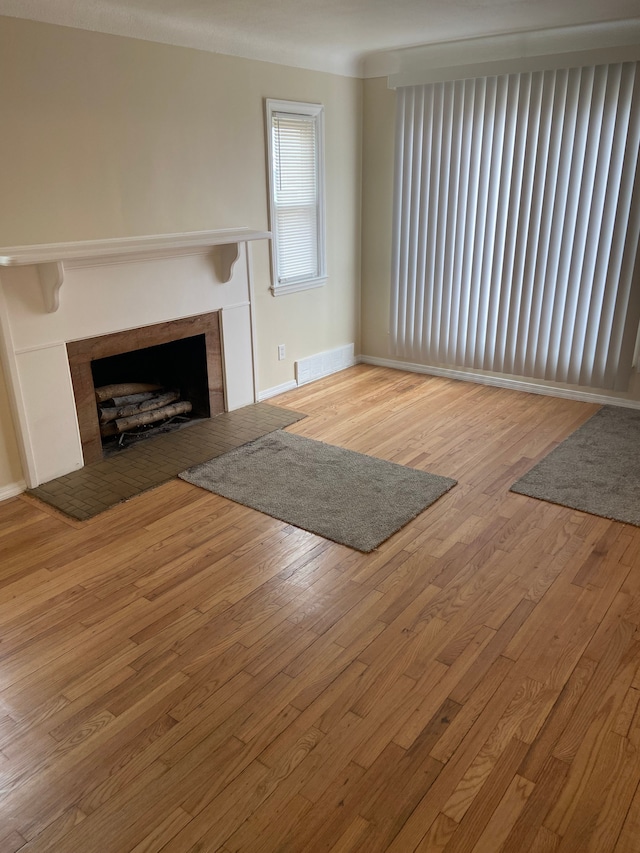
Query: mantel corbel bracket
point(51, 276)
point(227, 257)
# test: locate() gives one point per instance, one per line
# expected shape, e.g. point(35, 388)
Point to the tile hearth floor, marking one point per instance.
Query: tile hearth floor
point(96, 487)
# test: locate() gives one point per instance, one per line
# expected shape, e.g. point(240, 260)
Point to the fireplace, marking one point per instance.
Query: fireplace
point(65, 306)
point(181, 358)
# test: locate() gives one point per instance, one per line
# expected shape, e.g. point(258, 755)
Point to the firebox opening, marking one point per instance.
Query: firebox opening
point(177, 392)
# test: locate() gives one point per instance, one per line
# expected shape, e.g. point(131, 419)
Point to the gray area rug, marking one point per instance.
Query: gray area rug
point(347, 497)
point(596, 469)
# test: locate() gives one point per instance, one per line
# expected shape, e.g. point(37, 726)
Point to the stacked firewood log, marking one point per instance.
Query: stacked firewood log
point(125, 406)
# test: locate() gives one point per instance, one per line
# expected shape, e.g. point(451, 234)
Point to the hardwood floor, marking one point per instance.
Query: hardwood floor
point(183, 674)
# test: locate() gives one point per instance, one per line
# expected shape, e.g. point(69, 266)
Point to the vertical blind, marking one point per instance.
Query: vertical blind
point(516, 224)
point(296, 196)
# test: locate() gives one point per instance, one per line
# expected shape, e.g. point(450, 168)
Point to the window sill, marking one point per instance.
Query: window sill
point(294, 287)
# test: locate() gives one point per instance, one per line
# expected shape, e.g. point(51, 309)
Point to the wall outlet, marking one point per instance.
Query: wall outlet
point(282, 352)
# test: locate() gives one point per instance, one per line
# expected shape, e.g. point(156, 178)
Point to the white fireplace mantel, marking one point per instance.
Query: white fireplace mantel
point(113, 285)
point(51, 259)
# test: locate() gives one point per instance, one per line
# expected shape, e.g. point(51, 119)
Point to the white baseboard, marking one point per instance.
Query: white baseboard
point(315, 367)
point(277, 389)
point(503, 382)
point(12, 490)
point(324, 364)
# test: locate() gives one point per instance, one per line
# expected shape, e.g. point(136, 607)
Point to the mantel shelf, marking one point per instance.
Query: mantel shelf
point(52, 258)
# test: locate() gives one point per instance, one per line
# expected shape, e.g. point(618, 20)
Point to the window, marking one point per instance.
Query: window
point(296, 195)
point(517, 222)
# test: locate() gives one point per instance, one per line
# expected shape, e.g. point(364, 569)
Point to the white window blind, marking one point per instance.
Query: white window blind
point(516, 224)
point(296, 190)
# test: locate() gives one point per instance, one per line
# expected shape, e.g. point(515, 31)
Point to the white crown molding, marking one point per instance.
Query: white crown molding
point(380, 47)
point(51, 259)
point(611, 41)
point(223, 35)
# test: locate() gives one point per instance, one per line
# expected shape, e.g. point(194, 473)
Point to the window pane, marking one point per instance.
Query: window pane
point(296, 215)
point(297, 243)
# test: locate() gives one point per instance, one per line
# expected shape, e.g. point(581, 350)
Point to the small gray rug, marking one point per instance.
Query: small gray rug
point(347, 497)
point(596, 469)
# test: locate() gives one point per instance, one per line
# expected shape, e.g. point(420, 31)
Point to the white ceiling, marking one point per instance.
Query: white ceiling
point(327, 35)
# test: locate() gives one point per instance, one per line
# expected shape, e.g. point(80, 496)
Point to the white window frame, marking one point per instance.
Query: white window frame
point(316, 111)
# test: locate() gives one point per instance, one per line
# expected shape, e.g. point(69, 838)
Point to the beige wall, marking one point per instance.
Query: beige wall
point(103, 136)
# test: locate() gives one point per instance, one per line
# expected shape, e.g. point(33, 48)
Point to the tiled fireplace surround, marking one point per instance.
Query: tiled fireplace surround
point(54, 294)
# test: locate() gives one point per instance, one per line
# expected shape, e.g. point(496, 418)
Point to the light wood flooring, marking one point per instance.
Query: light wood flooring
point(183, 674)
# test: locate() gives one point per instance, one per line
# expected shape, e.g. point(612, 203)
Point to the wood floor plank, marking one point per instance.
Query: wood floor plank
point(599, 815)
point(628, 839)
point(501, 821)
point(557, 719)
point(588, 752)
point(528, 823)
point(183, 673)
point(545, 841)
point(473, 821)
point(441, 831)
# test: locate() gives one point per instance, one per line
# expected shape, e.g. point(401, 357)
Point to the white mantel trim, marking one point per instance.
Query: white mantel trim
point(117, 248)
point(52, 258)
